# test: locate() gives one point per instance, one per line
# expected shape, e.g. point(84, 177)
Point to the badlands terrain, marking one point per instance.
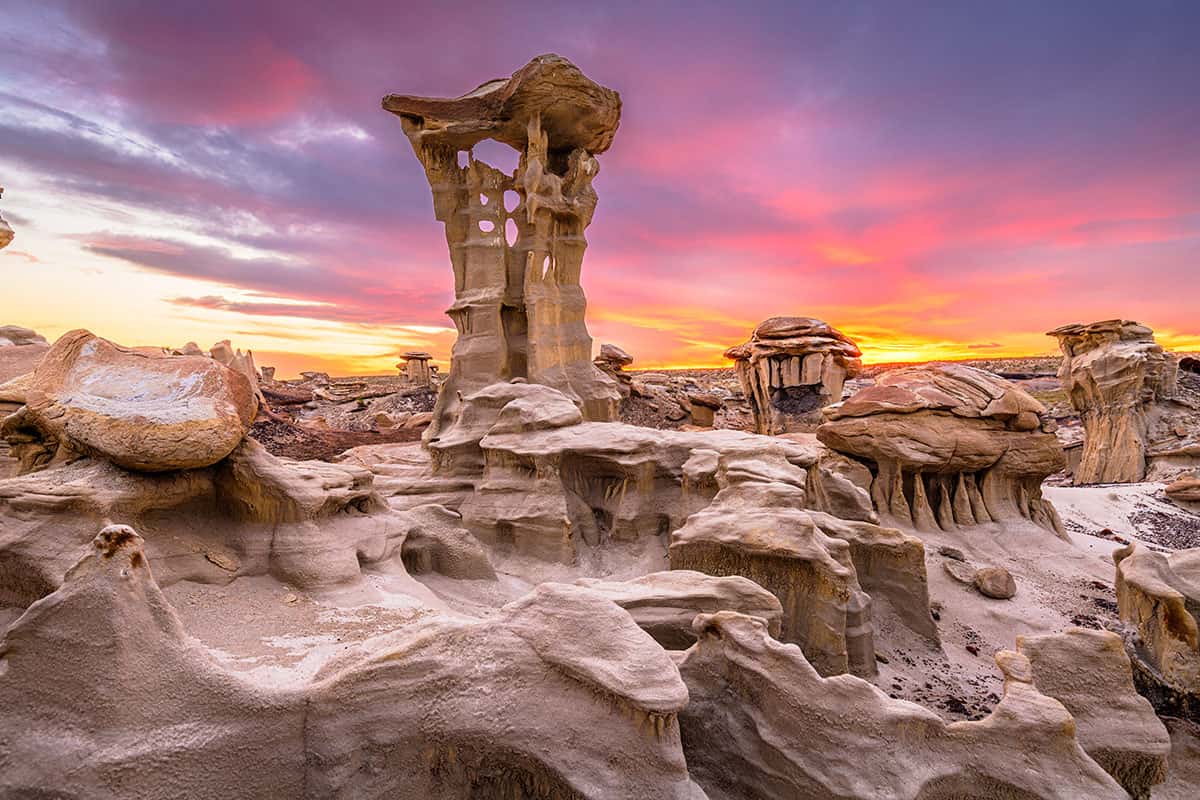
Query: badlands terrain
point(540, 572)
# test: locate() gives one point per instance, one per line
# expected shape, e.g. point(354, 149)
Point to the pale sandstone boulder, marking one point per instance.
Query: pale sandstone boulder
point(791, 368)
point(1122, 384)
point(136, 708)
point(664, 603)
point(519, 307)
point(1089, 673)
point(948, 446)
point(995, 582)
point(761, 722)
point(145, 413)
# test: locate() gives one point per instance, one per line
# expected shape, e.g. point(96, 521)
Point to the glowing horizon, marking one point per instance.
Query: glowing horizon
point(933, 182)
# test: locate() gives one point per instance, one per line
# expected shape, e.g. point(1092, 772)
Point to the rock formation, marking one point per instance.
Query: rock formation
point(134, 707)
point(415, 367)
point(665, 603)
point(612, 360)
point(761, 722)
point(1122, 384)
point(1159, 597)
point(1088, 672)
point(518, 307)
point(142, 412)
point(791, 368)
point(6, 231)
point(947, 446)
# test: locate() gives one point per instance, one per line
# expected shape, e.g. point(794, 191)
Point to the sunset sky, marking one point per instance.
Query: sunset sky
point(941, 183)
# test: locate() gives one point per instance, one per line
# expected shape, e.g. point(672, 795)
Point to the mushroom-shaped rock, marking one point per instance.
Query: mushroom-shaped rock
point(519, 307)
point(574, 111)
point(143, 412)
point(791, 368)
point(949, 446)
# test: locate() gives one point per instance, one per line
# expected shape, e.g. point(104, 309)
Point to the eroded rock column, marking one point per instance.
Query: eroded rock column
point(519, 307)
point(1114, 374)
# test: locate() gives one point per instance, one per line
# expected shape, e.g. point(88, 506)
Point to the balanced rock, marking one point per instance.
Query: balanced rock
point(89, 396)
point(791, 368)
point(611, 361)
point(948, 446)
point(519, 307)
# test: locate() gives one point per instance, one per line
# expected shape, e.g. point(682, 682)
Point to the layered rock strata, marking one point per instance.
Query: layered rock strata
point(1122, 383)
point(791, 368)
point(519, 308)
point(1158, 596)
point(949, 446)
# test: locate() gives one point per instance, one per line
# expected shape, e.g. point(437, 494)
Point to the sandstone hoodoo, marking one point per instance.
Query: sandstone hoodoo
point(949, 446)
point(519, 307)
point(791, 368)
point(1124, 386)
point(414, 366)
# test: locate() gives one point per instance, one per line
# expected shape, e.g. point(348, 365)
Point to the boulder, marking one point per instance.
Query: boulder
point(142, 412)
point(995, 582)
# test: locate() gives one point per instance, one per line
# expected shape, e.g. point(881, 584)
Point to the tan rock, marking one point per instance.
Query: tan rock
point(1121, 382)
point(1089, 673)
point(792, 733)
point(1183, 490)
point(1158, 595)
point(995, 582)
point(90, 396)
point(947, 448)
point(146, 683)
point(519, 307)
point(665, 603)
point(791, 368)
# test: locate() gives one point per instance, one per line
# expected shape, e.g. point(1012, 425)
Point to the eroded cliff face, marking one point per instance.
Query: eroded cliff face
point(517, 241)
